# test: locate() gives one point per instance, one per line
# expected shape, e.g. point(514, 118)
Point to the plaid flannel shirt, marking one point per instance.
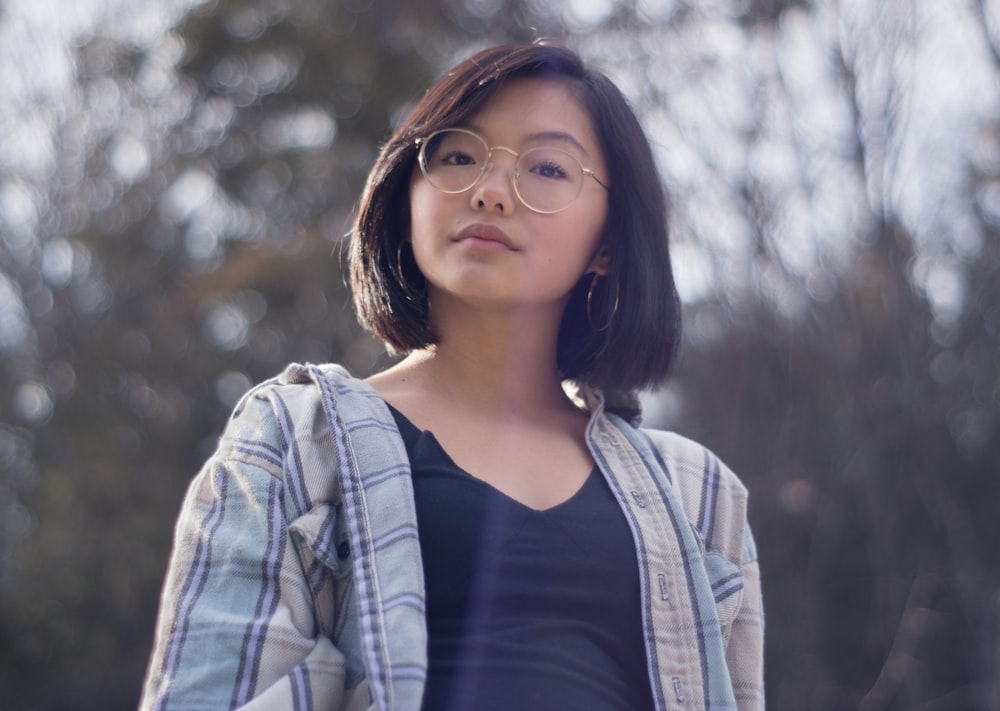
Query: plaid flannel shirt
point(295, 581)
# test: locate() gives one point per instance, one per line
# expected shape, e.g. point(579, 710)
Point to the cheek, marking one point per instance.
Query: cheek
point(415, 205)
point(423, 206)
point(593, 226)
point(426, 220)
point(418, 218)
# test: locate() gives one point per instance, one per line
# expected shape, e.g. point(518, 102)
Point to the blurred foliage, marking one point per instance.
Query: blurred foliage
point(173, 202)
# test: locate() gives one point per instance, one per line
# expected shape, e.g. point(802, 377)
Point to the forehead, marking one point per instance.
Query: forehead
point(527, 109)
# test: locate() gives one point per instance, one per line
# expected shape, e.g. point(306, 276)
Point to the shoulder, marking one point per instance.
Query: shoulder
point(713, 496)
point(692, 464)
point(302, 385)
point(293, 405)
point(298, 425)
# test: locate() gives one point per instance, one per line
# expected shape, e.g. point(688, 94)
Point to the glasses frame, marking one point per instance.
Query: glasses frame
point(488, 163)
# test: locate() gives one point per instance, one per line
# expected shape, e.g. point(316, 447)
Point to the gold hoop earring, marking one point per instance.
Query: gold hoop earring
point(411, 293)
point(590, 296)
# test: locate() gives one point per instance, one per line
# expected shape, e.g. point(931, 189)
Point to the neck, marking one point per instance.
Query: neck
point(503, 360)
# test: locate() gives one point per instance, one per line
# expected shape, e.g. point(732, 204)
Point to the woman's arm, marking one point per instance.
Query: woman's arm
point(745, 651)
point(236, 626)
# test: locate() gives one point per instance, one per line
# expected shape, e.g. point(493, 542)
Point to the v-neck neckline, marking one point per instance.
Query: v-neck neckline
point(428, 435)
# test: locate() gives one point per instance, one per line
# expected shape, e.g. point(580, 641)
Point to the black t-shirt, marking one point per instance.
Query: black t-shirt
point(526, 609)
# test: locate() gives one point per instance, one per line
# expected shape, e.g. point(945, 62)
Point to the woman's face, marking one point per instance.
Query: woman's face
point(484, 246)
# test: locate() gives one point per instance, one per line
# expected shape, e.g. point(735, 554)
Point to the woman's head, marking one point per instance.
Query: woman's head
point(620, 332)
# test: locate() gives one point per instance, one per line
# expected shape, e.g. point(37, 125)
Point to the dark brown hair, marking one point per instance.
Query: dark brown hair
point(638, 297)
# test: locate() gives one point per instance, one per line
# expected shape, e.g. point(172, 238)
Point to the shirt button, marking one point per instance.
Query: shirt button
point(343, 550)
point(661, 580)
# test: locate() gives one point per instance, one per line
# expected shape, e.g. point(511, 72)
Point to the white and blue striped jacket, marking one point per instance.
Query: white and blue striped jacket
point(296, 582)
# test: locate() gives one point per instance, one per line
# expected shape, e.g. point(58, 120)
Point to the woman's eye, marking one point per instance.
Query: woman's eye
point(549, 169)
point(458, 158)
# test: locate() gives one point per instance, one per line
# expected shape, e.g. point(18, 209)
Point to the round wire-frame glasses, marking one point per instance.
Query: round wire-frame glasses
point(545, 179)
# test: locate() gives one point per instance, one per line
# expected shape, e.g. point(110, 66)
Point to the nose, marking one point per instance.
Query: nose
point(495, 189)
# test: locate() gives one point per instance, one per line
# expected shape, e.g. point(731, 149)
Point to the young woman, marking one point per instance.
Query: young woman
point(482, 525)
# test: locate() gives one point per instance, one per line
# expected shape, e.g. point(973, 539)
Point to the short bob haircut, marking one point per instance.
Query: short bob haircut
point(637, 299)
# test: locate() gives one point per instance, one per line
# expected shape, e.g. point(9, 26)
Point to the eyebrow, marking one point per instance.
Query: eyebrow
point(561, 136)
point(557, 136)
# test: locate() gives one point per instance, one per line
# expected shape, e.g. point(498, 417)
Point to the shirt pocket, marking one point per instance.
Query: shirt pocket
point(324, 548)
point(726, 579)
point(324, 551)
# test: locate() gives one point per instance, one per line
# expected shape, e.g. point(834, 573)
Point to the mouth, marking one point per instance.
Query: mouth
point(486, 236)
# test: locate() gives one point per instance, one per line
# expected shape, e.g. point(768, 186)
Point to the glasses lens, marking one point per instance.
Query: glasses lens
point(548, 179)
point(453, 160)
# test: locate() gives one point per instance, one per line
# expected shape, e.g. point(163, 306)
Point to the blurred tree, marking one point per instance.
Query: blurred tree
point(839, 255)
point(190, 245)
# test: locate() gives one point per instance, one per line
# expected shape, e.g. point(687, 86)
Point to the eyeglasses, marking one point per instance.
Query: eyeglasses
point(545, 179)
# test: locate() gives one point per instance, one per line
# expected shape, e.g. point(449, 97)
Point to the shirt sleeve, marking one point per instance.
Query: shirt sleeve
point(237, 627)
point(745, 651)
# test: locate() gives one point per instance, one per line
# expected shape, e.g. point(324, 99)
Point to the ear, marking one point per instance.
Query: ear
point(601, 263)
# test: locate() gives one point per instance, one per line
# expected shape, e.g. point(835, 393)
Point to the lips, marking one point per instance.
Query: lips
point(484, 233)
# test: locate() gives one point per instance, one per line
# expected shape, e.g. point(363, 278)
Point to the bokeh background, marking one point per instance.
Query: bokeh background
point(176, 179)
